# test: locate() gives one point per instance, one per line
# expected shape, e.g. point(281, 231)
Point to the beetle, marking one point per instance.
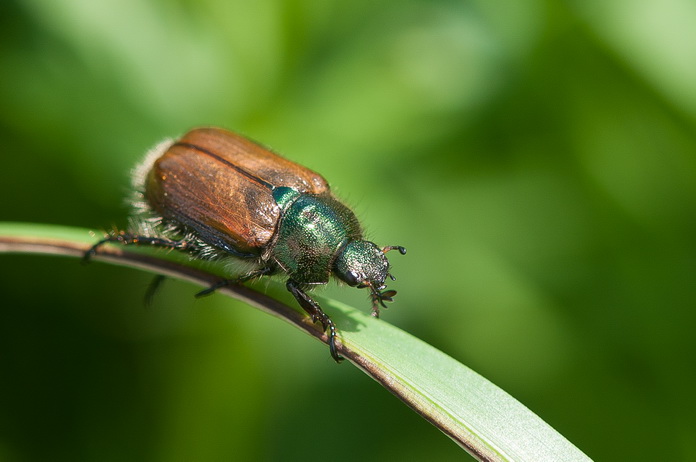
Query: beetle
point(216, 194)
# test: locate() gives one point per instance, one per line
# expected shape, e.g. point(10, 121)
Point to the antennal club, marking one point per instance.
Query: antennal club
point(402, 250)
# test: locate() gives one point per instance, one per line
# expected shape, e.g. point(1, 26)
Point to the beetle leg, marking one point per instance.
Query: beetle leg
point(378, 298)
point(317, 314)
point(134, 239)
point(153, 288)
point(265, 271)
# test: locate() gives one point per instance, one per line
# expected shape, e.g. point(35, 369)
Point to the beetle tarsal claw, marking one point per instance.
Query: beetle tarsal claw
point(218, 285)
point(379, 299)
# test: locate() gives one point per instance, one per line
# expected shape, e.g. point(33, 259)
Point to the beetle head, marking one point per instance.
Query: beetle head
point(362, 264)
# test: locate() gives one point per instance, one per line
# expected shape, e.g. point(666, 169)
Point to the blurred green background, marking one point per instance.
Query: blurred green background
point(537, 159)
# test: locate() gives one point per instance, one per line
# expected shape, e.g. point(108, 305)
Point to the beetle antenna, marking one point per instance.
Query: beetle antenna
point(402, 250)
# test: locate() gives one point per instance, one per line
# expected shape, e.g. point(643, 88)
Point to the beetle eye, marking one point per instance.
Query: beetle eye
point(351, 278)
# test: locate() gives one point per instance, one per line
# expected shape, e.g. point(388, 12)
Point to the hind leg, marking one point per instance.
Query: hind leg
point(127, 238)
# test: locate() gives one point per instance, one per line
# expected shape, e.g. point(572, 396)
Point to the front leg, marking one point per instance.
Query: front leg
point(317, 314)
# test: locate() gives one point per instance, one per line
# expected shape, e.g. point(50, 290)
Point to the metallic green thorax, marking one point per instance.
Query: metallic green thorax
point(311, 234)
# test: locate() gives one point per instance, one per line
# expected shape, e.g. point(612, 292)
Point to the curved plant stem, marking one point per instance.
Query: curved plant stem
point(477, 415)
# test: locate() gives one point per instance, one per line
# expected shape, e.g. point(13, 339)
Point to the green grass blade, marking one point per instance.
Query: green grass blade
point(476, 414)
